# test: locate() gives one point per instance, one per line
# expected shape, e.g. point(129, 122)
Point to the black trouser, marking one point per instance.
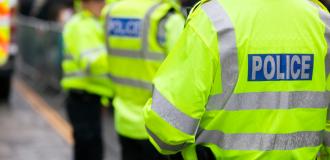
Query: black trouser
point(132, 149)
point(84, 112)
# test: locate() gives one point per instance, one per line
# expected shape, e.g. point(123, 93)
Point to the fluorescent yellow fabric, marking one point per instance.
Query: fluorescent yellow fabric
point(4, 30)
point(192, 75)
point(110, 1)
point(133, 70)
point(86, 62)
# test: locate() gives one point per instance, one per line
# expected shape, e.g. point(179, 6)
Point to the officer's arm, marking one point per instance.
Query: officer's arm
point(173, 29)
point(84, 47)
point(182, 87)
point(70, 62)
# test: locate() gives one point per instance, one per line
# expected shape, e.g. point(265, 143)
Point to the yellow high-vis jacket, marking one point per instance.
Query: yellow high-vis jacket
point(4, 30)
point(140, 34)
point(248, 79)
point(85, 63)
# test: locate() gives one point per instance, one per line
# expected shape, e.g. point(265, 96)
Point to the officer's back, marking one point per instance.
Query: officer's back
point(259, 89)
point(139, 35)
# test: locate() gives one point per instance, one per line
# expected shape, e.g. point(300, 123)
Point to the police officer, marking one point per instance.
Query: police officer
point(247, 80)
point(139, 35)
point(4, 30)
point(85, 78)
point(5, 69)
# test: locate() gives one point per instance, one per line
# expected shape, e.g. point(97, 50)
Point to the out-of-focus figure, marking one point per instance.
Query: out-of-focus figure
point(6, 61)
point(48, 10)
point(4, 30)
point(248, 79)
point(139, 35)
point(85, 78)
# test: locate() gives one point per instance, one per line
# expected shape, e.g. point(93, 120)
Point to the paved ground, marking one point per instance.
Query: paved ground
point(26, 135)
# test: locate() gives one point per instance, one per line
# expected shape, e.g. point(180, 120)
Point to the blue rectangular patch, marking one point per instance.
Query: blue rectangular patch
point(124, 27)
point(280, 67)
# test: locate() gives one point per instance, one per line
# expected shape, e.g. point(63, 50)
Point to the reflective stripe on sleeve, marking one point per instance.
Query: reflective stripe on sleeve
point(326, 138)
point(261, 141)
point(164, 145)
point(68, 56)
point(131, 82)
point(146, 28)
point(93, 51)
point(137, 54)
point(172, 115)
point(83, 74)
point(226, 45)
point(269, 100)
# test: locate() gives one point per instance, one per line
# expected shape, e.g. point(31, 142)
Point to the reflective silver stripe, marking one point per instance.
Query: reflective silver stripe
point(270, 100)
point(259, 141)
point(92, 51)
point(68, 56)
point(4, 21)
point(164, 145)
point(137, 54)
point(75, 74)
point(326, 138)
point(226, 44)
point(161, 30)
point(172, 115)
point(146, 28)
point(83, 74)
point(131, 82)
point(326, 19)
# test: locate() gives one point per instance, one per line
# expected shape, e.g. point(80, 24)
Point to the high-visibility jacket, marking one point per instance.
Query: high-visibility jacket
point(139, 35)
point(85, 63)
point(247, 79)
point(4, 30)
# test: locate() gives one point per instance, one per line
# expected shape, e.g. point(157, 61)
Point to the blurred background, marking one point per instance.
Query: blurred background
point(33, 121)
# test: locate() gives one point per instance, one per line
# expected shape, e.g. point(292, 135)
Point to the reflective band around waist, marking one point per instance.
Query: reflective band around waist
point(269, 100)
point(137, 54)
point(131, 82)
point(258, 141)
point(172, 115)
point(164, 145)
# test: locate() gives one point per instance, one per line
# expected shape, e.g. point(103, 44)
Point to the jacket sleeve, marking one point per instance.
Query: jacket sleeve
point(173, 29)
point(325, 16)
point(85, 46)
point(182, 87)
